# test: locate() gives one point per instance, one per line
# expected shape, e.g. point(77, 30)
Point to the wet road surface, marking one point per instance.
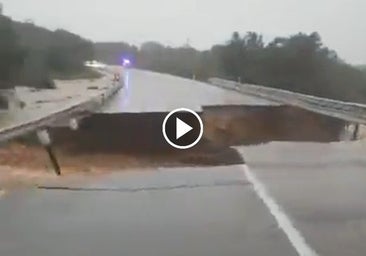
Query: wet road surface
point(144, 91)
point(153, 92)
point(197, 211)
point(294, 199)
point(321, 187)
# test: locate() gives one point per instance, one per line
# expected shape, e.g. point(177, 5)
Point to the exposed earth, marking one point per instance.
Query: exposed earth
point(109, 142)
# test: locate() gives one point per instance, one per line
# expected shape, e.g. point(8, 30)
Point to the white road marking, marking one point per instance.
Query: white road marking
point(283, 221)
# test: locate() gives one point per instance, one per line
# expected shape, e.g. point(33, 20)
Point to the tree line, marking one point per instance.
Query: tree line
point(299, 63)
point(32, 56)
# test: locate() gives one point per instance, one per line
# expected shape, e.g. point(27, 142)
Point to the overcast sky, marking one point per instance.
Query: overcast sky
point(341, 23)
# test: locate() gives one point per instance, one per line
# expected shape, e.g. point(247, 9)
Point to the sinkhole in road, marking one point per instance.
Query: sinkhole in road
point(127, 140)
point(247, 125)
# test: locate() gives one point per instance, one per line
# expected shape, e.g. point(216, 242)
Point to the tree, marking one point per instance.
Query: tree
point(299, 63)
point(113, 53)
point(253, 41)
point(11, 54)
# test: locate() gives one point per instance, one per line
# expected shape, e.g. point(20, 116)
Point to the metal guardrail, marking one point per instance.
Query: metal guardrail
point(349, 111)
point(67, 112)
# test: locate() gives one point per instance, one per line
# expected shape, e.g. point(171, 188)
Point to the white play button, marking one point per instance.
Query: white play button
point(181, 128)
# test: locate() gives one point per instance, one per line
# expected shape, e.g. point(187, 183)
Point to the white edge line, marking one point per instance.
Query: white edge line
point(294, 236)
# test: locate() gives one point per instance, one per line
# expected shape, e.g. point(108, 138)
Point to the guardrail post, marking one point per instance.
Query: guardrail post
point(74, 124)
point(355, 132)
point(44, 138)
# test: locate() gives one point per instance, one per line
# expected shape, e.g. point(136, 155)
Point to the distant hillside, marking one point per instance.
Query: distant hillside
point(57, 51)
point(42, 52)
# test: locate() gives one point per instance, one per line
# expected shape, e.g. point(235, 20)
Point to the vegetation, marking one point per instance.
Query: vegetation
point(11, 54)
point(362, 67)
point(33, 56)
point(298, 63)
point(113, 53)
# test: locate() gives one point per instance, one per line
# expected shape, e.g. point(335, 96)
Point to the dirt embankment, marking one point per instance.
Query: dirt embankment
point(124, 141)
point(232, 125)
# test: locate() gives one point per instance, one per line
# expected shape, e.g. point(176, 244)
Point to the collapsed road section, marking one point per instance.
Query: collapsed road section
point(126, 132)
point(124, 141)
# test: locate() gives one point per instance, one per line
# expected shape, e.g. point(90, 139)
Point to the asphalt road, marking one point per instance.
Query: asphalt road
point(294, 199)
point(321, 187)
point(153, 92)
point(195, 211)
point(303, 199)
point(144, 92)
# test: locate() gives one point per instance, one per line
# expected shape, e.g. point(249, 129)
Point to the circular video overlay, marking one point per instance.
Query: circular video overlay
point(182, 128)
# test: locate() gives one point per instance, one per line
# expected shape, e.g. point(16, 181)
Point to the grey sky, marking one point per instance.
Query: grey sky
point(341, 23)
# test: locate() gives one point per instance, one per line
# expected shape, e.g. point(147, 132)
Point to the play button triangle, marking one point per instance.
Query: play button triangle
point(181, 128)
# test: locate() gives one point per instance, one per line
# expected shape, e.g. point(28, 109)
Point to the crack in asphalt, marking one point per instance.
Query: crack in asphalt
point(140, 189)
